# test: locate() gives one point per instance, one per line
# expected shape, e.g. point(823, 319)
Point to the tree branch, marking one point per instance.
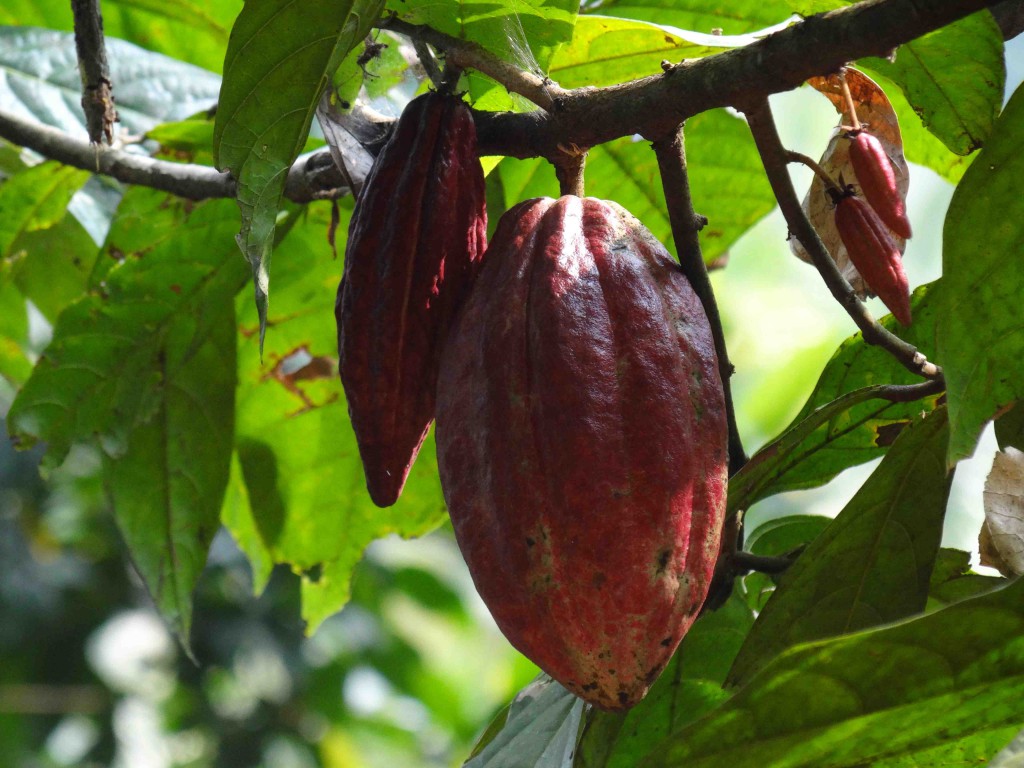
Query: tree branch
point(775, 159)
point(97, 89)
point(312, 178)
point(651, 106)
point(686, 224)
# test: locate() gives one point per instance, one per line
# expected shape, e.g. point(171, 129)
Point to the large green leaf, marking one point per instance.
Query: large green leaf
point(307, 495)
point(14, 364)
point(167, 485)
point(144, 366)
point(873, 563)
point(41, 82)
point(279, 59)
point(954, 78)
point(187, 30)
point(606, 50)
point(101, 377)
point(523, 32)
point(859, 699)
point(733, 18)
point(979, 328)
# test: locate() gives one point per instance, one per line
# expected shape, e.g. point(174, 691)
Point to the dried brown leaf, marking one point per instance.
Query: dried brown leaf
point(1002, 536)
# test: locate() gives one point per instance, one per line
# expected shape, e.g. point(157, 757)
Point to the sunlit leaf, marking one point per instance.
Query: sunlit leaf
point(279, 59)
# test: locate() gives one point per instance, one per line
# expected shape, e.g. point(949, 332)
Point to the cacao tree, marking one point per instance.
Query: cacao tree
point(208, 211)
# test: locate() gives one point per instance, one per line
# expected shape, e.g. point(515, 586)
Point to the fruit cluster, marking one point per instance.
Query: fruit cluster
point(581, 422)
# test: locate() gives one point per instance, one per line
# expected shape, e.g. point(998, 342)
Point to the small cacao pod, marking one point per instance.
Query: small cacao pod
point(874, 254)
point(581, 436)
point(415, 239)
point(878, 181)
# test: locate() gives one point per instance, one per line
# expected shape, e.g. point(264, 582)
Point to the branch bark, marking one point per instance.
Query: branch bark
point(686, 225)
point(97, 88)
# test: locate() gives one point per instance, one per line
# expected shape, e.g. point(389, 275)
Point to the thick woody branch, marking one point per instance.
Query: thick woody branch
point(656, 105)
point(686, 225)
point(311, 178)
point(97, 89)
point(775, 159)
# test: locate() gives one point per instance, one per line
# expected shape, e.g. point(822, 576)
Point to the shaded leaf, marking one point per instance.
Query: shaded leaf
point(980, 335)
point(279, 59)
point(872, 564)
point(540, 731)
point(856, 700)
point(167, 485)
point(782, 535)
point(954, 78)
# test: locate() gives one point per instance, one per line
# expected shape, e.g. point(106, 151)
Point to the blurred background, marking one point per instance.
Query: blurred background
point(413, 668)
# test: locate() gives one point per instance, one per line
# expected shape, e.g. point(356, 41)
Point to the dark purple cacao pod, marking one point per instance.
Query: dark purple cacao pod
point(581, 435)
point(415, 241)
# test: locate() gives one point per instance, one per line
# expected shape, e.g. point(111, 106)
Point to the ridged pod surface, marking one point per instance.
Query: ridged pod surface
point(874, 254)
point(878, 182)
point(581, 438)
point(415, 240)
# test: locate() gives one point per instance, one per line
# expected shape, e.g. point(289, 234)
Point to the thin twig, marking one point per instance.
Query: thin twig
point(465, 54)
point(908, 393)
point(814, 165)
point(97, 88)
point(686, 225)
point(773, 155)
point(429, 62)
point(747, 561)
point(569, 164)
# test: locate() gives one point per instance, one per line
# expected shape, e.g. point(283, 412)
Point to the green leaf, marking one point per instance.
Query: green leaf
point(691, 685)
point(799, 458)
point(954, 78)
point(36, 199)
point(41, 81)
point(952, 579)
point(523, 32)
point(842, 424)
point(784, 534)
point(606, 50)
point(735, 18)
point(856, 700)
point(14, 364)
point(540, 731)
point(102, 375)
point(166, 487)
point(279, 59)
point(236, 515)
point(298, 455)
point(873, 563)
point(980, 335)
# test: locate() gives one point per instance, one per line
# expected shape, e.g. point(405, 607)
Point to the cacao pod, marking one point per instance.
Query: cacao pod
point(581, 436)
point(874, 254)
point(415, 239)
point(878, 181)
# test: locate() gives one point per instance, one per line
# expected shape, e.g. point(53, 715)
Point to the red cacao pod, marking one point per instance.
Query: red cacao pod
point(874, 254)
point(415, 239)
point(878, 182)
point(581, 436)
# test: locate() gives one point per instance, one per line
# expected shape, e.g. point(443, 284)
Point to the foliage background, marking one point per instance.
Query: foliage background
point(412, 669)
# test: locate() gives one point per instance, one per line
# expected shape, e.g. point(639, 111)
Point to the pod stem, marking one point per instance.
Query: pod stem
point(569, 166)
